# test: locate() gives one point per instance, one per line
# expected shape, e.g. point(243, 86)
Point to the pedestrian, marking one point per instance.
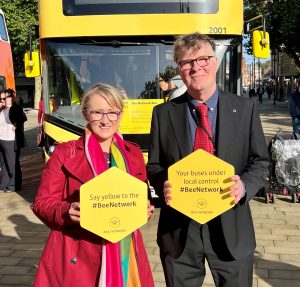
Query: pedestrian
point(269, 91)
point(17, 118)
point(175, 87)
point(294, 108)
point(40, 130)
point(260, 92)
point(281, 94)
point(233, 133)
point(74, 256)
point(7, 146)
point(251, 93)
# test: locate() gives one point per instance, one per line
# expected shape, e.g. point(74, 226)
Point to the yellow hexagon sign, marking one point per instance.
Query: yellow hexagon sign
point(200, 184)
point(113, 204)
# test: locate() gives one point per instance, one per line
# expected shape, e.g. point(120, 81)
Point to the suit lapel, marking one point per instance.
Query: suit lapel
point(225, 126)
point(179, 121)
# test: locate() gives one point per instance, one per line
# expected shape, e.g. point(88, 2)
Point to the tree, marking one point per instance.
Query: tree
point(282, 23)
point(19, 14)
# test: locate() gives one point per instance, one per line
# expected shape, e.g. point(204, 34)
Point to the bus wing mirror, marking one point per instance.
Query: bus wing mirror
point(261, 44)
point(32, 64)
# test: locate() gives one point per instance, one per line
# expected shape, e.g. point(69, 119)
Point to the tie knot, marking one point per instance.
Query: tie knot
point(203, 110)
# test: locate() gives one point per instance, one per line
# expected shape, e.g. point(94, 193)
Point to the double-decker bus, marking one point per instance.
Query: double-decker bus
point(7, 80)
point(127, 44)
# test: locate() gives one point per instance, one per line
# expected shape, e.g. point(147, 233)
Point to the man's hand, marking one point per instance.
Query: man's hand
point(167, 192)
point(237, 189)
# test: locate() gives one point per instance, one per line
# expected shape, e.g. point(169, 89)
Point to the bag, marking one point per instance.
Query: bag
point(40, 136)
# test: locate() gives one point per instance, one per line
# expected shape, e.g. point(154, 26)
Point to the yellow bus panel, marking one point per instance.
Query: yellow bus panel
point(53, 23)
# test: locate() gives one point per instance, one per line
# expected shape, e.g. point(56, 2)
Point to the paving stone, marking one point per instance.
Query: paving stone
point(291, 258)
point(29, 262)
point(288, 243)
point(10, 260)
point(260, 272)
point(268, 221)
point(281, 250)
point(285, 274)
point(275, 227)
point(277, 265)
point(277, 283)
point(285, 231)
point(267, 236)
point(27, 253)
point(26, 280)
point(264, 243)
point(293, 237)
point(16, 270)
point(5, 252)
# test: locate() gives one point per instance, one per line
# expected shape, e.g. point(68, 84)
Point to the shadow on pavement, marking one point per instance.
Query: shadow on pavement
point(32, 164)
point(277, 273)
point(22, 251)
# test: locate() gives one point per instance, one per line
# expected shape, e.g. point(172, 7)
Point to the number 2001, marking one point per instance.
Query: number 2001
point(217, 30)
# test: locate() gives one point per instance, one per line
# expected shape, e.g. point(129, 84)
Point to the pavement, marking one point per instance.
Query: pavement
point(277, 226)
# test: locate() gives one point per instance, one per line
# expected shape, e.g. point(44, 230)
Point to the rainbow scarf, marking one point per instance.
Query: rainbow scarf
point(119, 266)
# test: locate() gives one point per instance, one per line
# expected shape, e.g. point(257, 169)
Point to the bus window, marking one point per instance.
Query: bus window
point(2, 84)
point(3, 32)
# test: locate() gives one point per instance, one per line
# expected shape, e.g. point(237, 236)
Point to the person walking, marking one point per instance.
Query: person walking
point(17, 117)
point(175, 87)
point(229, 127)
point(7, 146)
point(74, 256)
point(294, 108)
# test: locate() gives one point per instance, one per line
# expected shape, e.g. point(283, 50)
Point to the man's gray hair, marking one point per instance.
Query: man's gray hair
point(194, 41)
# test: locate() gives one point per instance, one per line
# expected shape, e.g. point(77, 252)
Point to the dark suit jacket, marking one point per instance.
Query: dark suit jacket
point(17, 118)
point(239, 141)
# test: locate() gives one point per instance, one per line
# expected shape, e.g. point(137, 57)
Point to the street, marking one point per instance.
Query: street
point(277, 226)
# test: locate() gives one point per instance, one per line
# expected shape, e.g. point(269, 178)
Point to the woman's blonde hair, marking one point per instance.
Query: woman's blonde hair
point(109, 93)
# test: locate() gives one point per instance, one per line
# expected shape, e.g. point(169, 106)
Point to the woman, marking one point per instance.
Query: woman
point(73, 256)
point(7, 146)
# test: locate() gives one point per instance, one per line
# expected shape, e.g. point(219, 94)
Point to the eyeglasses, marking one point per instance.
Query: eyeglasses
point(202, 61)
point(97, 115)
point(2, 99)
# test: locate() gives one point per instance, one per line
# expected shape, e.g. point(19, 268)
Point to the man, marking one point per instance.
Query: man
point(294, 109)
point(226, 242)
point(17, 117)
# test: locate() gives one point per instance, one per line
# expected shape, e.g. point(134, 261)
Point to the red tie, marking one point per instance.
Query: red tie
point(202, 139)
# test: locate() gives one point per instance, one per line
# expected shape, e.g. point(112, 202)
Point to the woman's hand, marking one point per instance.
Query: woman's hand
point(150, 209)
point(74, 212)
point(167, 192)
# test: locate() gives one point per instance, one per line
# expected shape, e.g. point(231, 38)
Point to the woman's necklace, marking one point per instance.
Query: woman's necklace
point(107, 157)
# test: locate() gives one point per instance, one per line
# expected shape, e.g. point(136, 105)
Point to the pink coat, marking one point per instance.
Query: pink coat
point(72, 255)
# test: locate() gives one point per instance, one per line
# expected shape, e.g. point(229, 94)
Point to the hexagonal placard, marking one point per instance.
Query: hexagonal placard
point(200, 184)
point(113, 204)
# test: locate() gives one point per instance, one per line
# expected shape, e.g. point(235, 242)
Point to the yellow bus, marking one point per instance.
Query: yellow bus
point(127, 44)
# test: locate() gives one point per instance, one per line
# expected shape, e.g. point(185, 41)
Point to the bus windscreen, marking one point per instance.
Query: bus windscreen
point(110, 7)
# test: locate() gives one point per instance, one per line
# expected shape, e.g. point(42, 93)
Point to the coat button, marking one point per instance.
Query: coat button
point(73, 260)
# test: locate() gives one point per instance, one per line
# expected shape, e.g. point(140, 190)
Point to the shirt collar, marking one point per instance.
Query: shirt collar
point(211, 102)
